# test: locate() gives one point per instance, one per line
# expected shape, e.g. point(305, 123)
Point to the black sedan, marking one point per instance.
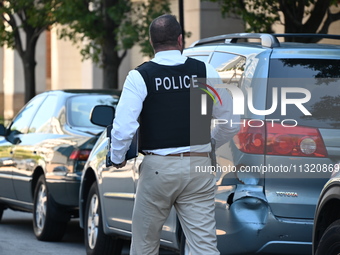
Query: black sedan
point(42, 154)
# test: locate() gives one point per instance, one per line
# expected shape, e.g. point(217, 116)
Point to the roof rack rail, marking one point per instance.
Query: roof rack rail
point(326, 36)
point(267, 40)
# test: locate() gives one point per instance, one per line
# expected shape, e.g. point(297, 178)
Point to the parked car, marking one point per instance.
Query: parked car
point(269, 176)
point(326, 233)
point(42, 155)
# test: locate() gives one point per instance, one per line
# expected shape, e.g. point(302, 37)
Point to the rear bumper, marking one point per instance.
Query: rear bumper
point(65, 191)
point(247, 226)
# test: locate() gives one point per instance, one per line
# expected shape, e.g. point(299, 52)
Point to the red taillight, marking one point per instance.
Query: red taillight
point(251, 137)
point(275, 139)
point(82, 155)
point(294, 141)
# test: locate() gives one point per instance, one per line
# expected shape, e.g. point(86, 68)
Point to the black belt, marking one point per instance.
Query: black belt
point(183, 154)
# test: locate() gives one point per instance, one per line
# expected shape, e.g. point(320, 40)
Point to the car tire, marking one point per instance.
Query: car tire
point(330, 241)
point(96, 241)
point(46, 228)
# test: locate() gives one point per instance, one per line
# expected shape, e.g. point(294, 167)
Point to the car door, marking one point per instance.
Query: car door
point(6, 168)
point(31, 151)
point(118, 191)
point(17, 131)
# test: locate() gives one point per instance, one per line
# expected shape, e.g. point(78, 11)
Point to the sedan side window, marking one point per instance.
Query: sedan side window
point(42, 119)
point(24, 118)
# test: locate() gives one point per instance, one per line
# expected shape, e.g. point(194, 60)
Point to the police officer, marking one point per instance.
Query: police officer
point(175, 137)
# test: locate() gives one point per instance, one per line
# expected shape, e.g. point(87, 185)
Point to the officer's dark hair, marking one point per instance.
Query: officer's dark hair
point(164, 31)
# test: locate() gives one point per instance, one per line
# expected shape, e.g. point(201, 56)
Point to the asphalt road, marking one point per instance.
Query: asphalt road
point(17, 237)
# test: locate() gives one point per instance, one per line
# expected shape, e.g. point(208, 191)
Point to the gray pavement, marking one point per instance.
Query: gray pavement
point(17, 238)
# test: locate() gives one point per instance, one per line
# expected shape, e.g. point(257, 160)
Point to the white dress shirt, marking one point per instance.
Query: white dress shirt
point(130, 106)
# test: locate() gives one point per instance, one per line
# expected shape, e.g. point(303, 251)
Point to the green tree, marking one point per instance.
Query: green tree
point(108, 28)
point(23, 21)
point(298, 16)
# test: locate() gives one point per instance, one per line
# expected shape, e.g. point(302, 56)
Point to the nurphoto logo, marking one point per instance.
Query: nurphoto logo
point(213, 94)
point(239, 103)
point(239, 98)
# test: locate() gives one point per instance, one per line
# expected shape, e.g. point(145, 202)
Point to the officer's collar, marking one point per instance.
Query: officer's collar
point(173, 53)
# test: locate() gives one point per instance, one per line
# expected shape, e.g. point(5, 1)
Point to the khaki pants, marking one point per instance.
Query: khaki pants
point(165, 181)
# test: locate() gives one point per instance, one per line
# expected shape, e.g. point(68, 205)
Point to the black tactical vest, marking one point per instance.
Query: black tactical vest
point(171, 115)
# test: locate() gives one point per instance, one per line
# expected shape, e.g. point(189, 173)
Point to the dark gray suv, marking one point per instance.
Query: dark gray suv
point(270, 175)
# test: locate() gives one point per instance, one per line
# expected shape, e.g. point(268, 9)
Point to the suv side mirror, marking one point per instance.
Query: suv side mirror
point(3, 130)
point(102, 115)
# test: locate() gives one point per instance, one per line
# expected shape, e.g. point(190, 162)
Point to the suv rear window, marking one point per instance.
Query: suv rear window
point(321, 77)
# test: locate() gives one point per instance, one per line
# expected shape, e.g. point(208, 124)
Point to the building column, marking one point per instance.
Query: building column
point(91, 75)
point(13, 83)
point(66, 64)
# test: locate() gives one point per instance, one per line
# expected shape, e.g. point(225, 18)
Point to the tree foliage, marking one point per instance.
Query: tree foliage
point(297, 16)
point(23, 21)
point(108, 28)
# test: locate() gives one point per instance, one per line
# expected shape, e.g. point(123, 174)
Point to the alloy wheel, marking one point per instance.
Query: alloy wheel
point(93, 222)
point(40, 214)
